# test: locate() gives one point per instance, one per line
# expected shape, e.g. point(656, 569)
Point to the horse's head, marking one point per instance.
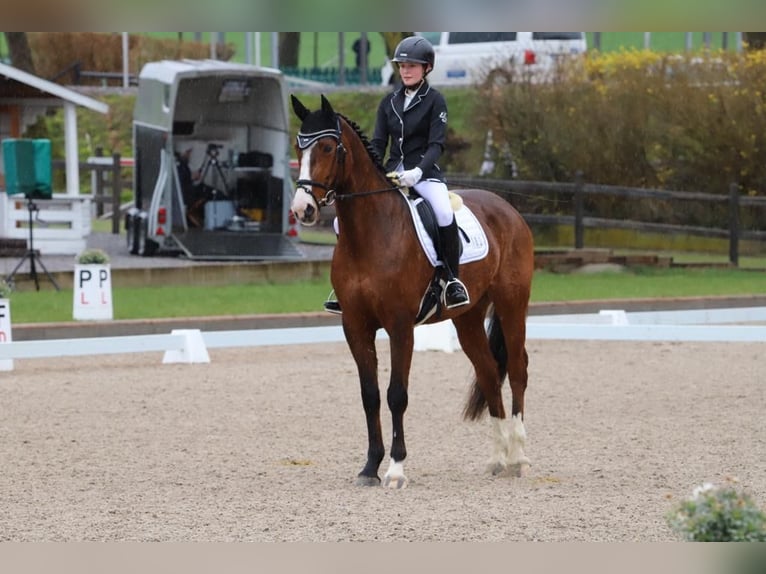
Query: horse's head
point(321, 157)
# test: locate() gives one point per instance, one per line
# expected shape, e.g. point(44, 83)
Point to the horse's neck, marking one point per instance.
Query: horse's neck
point(377, 221)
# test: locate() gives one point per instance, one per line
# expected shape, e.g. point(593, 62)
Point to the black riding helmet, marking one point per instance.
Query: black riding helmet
point(415, 49)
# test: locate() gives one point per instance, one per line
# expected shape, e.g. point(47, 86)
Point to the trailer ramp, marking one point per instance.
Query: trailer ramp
point(236, 246)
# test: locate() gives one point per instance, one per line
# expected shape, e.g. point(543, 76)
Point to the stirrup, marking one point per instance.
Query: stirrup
point(332, 305)
point(458, 298)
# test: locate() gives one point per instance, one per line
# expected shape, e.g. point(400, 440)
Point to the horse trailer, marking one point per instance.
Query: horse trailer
point(212, 162)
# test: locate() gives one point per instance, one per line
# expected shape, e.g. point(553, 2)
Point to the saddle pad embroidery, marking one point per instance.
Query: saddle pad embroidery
point(474, 249)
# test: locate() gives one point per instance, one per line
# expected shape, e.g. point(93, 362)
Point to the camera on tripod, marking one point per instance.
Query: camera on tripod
point(28, 170)
point(213, 149)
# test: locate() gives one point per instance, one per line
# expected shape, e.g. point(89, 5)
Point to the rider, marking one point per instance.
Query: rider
point(413, 119)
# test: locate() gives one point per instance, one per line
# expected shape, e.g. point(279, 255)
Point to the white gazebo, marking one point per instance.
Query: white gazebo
point(23, 97)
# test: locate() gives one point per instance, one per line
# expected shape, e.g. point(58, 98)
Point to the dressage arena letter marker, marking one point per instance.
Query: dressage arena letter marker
point(194, 349)
point(92, 292)
point(5, 332)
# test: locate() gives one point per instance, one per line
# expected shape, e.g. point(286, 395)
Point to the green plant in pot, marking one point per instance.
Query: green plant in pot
point(93, 257)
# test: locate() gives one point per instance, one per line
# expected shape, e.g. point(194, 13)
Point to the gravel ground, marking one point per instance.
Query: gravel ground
point(263, 444)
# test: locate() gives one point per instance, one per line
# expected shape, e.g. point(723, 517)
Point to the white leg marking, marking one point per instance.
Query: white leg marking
point(501, 443)
point(518, 441)
point(394, 477)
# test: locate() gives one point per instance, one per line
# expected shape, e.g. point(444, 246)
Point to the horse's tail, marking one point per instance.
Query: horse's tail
point(477, 403)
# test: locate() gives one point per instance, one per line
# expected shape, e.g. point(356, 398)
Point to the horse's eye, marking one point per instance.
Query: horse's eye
point(327, 148)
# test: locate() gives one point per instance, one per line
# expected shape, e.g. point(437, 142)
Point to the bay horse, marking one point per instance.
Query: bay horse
point(379, 273)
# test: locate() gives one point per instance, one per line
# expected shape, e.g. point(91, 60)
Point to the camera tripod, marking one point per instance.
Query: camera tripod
point(31, 254)
point(211, 161)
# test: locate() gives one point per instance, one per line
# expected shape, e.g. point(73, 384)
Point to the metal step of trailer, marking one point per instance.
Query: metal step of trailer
point(236, 246)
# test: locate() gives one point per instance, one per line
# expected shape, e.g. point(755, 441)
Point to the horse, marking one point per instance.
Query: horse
point(379, 273)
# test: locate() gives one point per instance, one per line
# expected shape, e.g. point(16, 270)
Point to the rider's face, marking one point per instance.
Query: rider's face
point(411, 73)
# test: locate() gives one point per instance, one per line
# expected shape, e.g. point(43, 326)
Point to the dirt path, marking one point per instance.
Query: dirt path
point(264, 444)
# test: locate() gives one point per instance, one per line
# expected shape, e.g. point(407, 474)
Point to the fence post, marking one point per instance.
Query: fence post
point(734, 224)
point(98, 179)
point(578, 205)
point(116, 191)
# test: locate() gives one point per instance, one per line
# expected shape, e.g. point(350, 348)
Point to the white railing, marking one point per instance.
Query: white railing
point(190, 345)
point(60, 224)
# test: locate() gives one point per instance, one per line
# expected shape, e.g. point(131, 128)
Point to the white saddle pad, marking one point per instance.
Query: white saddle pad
point(474, 249)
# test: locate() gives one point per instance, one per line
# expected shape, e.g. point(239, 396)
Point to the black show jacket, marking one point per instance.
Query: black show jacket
point(416, 134)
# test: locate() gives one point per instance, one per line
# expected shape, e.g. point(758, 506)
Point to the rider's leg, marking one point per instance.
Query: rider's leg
point(332, 304)
point(435, 192)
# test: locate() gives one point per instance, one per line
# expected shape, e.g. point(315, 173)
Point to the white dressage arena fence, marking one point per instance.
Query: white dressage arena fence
point(191, 345)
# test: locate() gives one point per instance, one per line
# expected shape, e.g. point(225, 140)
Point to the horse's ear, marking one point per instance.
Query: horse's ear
point(300, 110)
point(326, 107)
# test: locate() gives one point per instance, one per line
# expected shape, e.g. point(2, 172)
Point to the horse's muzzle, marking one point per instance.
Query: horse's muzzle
point(304, 208)
point(308, 216)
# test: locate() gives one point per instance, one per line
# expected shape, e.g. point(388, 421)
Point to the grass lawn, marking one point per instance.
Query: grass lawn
point(306, 296)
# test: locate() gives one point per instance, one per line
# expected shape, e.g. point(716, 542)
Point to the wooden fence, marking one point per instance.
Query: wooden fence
point(108, 180)
point(578, 192)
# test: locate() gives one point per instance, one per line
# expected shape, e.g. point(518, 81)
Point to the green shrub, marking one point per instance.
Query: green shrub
point(718, 514)
point(93, 257)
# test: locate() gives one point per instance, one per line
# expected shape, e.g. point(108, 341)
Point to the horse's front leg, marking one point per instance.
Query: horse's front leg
point(402, 343)
point(361, 342)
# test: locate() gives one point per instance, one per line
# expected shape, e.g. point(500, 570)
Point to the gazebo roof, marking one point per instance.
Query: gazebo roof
point(16, 83)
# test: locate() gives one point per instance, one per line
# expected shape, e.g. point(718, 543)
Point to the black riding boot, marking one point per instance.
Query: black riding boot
point(332, 305)
point(455, 293)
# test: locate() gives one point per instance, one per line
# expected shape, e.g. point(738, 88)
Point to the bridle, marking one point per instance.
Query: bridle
point(304, 140)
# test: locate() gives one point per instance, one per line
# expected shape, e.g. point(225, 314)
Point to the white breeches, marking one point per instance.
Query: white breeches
point(435, 193)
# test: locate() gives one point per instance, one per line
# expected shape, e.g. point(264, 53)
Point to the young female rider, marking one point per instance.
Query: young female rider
point(413, 119)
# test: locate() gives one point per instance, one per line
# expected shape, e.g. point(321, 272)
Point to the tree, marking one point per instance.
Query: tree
point(391, 41)
point(755, 40)
point(19, 51)
point(289, 48)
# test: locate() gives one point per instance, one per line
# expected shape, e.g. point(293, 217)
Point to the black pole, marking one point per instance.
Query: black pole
point(734, 224)
point(116, 191)
point(579, 231)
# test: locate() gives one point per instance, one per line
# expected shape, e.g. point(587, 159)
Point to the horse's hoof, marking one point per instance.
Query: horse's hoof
point(362, 480)
point(395, 482)
point(497, 468)
point(519, 469)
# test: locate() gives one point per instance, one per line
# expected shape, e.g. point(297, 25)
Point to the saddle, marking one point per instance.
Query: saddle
point(473, 245)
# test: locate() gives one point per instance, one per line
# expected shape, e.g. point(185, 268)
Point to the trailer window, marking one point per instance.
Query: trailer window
point(234, 91)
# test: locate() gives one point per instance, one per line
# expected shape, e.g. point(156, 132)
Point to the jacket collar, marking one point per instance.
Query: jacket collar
point(416, 99)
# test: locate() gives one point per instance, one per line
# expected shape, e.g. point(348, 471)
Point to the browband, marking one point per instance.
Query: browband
point(305, 140)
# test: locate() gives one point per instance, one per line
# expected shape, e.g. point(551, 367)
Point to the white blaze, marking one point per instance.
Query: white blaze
point(302, 199)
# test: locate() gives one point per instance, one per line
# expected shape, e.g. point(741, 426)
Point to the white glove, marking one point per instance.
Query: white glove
point(410, 177)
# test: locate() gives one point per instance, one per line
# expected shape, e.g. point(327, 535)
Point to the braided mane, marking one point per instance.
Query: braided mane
point(376, 159)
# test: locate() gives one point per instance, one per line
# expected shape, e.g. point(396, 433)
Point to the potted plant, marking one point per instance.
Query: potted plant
point(93, 257)
point(92, 286)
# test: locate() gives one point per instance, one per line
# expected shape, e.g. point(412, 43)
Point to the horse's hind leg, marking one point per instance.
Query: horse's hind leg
point(513, 323)
point(474, 342)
